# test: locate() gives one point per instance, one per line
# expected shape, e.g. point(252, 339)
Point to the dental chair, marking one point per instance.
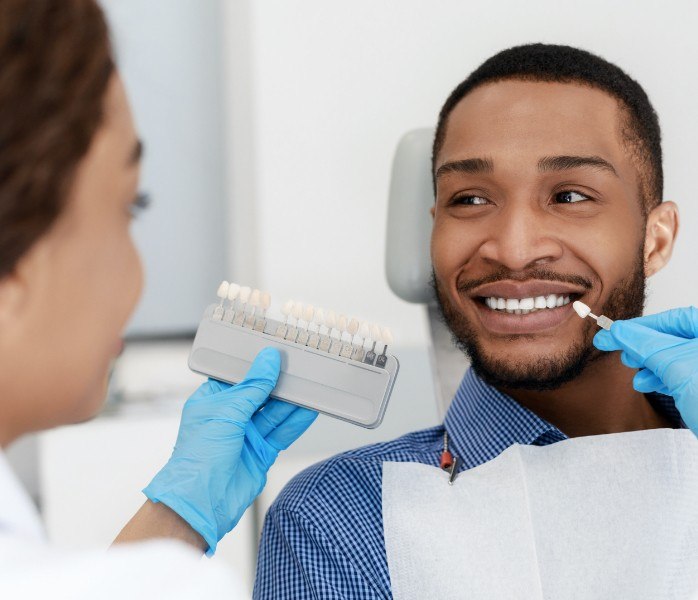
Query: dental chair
point(407, 256)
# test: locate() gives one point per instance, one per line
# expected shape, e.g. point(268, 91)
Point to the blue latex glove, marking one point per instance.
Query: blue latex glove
point(665, 350)
point(225, 447)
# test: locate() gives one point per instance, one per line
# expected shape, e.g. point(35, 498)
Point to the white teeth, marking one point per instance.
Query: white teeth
point(524, 306)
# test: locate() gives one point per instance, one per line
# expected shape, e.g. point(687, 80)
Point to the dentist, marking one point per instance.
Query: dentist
point(70, 277)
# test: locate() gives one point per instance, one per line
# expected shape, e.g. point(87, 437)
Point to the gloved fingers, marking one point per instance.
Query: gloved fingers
point(638, 341)
point(682, 322)
point(645, 381)
point(629, 361)
point(215, 386)
point(292, 428)
point(258, 383)
point(271, 415)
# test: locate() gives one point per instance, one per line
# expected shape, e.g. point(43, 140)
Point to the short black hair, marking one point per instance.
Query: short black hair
point(564, 64)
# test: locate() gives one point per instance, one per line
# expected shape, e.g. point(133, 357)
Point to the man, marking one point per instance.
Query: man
point(548, 181)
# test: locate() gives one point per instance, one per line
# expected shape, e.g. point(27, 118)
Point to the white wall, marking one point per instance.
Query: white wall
point(323, 90)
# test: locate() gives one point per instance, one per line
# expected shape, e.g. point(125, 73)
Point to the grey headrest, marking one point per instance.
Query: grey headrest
point(407, 257)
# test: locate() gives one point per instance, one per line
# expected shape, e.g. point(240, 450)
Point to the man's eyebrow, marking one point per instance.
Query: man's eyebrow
point(136, 153)
point(563, 163)
point(467, 165)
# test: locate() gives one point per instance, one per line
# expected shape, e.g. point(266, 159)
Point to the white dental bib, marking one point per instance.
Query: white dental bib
point(608, 516)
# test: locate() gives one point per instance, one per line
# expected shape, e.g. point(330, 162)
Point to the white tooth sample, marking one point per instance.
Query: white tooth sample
point(245, 294)
point(512, 304)
point(222, 292)
point(233, 291)
point(297, 311)
point(375, 332)
point(364, 330)
point(560, 301)
point(265, 302)
point(501, 303)
point(581, 309)
point(526, 303)
point(255, 298)
point(539, 302)
point(386, 336)
point(308, 313)
point(319, 318)
point(550, 301)
point(331, 320)
point(342, 323)
point(287, 308)
point(353, 327)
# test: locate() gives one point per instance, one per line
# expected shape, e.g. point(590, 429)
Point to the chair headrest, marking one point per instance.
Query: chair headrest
point(407, 257)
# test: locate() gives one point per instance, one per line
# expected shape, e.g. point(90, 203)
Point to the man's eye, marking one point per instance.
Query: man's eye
point(470, 200)
point(570, 197)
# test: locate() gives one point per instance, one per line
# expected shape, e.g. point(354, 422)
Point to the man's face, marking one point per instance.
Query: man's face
point(536, 198)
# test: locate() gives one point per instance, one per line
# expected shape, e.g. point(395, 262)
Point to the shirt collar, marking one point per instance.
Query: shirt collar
point(18, 516)
point(482, 422)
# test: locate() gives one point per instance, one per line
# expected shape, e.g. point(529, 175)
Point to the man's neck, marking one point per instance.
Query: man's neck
point(601, 400)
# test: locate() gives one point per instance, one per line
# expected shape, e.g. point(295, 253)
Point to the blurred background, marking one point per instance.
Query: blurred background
point(269, 128)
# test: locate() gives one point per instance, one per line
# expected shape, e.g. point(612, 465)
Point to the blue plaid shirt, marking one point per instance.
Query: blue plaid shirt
point(323, 536)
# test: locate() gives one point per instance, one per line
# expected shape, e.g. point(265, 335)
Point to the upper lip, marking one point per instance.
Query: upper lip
point(525, 289)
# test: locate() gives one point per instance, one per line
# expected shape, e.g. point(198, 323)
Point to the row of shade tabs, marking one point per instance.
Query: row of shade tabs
point(305, 324)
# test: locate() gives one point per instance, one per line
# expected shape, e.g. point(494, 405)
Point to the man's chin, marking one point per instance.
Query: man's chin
point(538, 373)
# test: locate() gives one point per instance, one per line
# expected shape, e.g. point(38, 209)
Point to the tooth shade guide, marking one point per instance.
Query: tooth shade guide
point(307, 330)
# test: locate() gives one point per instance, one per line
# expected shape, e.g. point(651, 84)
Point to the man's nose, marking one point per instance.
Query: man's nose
point(521, 237)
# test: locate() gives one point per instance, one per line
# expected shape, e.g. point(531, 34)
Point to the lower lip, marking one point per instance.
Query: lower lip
point(505, 323)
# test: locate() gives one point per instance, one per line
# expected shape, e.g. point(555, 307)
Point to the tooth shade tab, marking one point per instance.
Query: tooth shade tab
point(297, 311)
point(342, 323)
point(331, 320)
point(308, 313)
point(364, 330)
point(233, 291)
point(353, 327)
point(375, 332)
point(266, 300)
point(255, 298)
point(245, 294)
point(319, 318)
point(386, 336)
point(287, 308)
point(581, 309)
point(222, 292)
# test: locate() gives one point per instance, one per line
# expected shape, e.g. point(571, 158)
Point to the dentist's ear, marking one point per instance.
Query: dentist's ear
point(660, 236)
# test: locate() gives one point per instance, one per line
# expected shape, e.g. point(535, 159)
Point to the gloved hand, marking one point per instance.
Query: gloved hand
point(225, 447)
point(665, 349)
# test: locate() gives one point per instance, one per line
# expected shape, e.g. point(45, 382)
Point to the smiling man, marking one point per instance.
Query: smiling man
point(548, 180)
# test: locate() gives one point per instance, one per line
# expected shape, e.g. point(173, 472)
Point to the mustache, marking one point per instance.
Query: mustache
point(541, 274)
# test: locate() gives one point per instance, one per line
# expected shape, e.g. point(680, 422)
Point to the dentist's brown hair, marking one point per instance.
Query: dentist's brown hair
point(55, 63)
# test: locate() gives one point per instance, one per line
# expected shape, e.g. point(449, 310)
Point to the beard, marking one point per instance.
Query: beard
point(625, 301)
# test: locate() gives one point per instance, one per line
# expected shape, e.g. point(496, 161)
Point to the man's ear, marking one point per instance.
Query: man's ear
point(660, 235)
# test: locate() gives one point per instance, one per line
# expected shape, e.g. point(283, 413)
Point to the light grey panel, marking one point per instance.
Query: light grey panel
point(169, 53)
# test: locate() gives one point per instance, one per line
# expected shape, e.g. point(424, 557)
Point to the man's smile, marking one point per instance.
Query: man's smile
point(524, 307)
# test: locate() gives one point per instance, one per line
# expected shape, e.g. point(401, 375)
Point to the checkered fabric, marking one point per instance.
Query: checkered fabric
point(323, 536)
